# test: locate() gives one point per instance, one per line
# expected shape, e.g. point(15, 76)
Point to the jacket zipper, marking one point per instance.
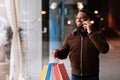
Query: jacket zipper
point(81, 57)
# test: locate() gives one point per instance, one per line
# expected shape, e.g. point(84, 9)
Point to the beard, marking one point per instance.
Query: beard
point(81, 30)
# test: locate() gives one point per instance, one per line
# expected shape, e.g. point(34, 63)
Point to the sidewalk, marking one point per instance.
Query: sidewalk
point(110, 63)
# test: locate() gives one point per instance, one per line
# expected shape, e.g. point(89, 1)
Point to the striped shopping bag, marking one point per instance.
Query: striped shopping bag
point(60, 72)
point(49, 72)
point(43, 74)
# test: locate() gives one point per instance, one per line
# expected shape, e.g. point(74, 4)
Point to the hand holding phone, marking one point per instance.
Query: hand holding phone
point(87, 25)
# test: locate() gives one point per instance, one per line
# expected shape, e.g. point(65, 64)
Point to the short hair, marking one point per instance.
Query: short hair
point(87, 12)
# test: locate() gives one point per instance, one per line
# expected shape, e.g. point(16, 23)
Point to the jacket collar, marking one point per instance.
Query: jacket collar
point(74, 32)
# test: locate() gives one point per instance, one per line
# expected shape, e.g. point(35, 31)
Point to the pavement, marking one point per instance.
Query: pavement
point(110, 63)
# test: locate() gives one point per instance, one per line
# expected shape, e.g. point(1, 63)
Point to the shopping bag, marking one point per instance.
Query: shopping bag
point(60, 72)
point(49, 71)
point(43, 74)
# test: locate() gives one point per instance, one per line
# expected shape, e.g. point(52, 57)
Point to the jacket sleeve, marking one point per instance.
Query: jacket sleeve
point(99, 41)
point(63, 52)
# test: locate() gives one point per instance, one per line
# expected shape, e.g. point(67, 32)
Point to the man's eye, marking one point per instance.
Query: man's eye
point(83, 19)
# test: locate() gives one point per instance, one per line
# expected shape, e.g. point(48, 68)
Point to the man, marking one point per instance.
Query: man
point(83, 45)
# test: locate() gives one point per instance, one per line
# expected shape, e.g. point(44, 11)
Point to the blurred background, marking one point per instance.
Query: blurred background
point(31, 29)
point(59, 18)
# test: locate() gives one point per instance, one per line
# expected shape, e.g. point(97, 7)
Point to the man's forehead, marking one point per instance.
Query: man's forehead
point(81, 14)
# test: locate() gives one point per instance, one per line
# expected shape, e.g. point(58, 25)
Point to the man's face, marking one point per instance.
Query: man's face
point(80, 18)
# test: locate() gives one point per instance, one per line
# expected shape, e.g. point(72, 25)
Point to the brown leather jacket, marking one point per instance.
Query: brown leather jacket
point(83, 52)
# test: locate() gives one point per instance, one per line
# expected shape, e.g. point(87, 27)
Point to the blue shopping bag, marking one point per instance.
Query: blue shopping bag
point(49, 71)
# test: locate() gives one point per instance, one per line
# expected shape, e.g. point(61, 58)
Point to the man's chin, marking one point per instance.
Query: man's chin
point(79, 25)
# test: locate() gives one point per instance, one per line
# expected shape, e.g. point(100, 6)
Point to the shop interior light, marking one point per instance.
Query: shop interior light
point(43, 12)
point(92, 22)
point(69, 22)
point(53, 5)
point(80, 5)
point(96, 12)
point(102, 19)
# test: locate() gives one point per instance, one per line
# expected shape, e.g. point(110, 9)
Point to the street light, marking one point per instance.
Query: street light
point(96, 12)
point(92, 21)
point(53, 5)
point(43, 12)
point(80, 5)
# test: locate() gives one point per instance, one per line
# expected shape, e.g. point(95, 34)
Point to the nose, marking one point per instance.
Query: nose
point(79, 19)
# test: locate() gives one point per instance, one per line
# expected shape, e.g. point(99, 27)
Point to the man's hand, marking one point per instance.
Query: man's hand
point(87, 25)
point(54, 54)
